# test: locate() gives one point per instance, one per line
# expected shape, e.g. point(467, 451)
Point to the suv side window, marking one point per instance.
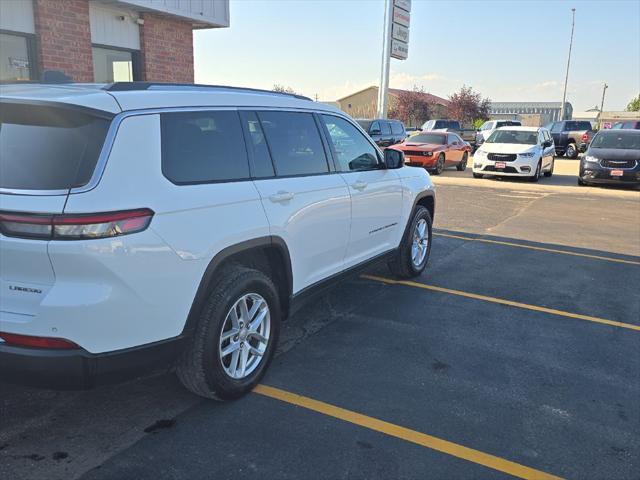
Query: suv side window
point(294, 142)
point(375, 126)
point(203, 147)
point(386, 128)
point(352, 150)
point(556, 127)
point(396, 128)
point(257, 147)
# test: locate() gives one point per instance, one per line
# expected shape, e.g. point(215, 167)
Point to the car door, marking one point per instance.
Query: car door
point(454, 152)
point(550, 150)
point(306, 202)
point(376, 193)
point(375, 132)
point(387, 136)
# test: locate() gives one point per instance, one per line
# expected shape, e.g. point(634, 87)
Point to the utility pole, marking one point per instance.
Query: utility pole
point(604, 89)
point(566, 78)
point(386, 60)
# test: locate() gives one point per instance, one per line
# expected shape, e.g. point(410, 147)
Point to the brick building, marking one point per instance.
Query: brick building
point(104, 40)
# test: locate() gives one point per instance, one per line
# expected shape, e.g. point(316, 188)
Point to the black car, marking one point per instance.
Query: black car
point(384, 132)
point(613, 158)
point(571, 136)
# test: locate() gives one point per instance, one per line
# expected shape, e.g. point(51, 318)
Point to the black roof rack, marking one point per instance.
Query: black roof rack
point(136, 86)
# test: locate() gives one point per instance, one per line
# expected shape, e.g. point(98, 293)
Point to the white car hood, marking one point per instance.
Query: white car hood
point(506, 148)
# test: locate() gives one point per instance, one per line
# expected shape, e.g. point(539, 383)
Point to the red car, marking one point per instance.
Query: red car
point(435, 151)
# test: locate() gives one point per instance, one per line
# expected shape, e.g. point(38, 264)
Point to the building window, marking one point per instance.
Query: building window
point(115, 65)
point(16, 57)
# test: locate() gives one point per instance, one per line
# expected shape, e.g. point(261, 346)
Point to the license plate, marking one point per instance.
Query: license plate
point(617, 173)
point(501, 165)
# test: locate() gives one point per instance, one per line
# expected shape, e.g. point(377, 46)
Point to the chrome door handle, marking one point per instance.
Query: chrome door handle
point(281, 197)
point(360, 185)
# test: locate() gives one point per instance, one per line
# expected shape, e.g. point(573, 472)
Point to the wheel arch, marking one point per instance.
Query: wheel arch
point(268, 254)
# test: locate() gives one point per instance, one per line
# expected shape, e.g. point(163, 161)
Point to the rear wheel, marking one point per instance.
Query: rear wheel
point(477, 175)
point(581, 182)
point(462, 166)
point(550, 172)
point(439, 165)
point(415, 247)
point(572, 151)
point(235, 337)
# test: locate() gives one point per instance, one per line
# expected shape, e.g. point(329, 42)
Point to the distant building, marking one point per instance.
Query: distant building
point(547, 111)
point(104, 41)
point(364, 104)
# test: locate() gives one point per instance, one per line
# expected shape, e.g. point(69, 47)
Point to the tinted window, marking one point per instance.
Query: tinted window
point(295, 144)
point(556, 127)
point(45, 148)
point(257, 146)
point(452, 138)
point(397, 128)
point(375, 128)
point(617, 139)
point(386, 128)
point(353, 150)
point(574, 126)
point(428, 138)
point(440, 124)
point(201, 147)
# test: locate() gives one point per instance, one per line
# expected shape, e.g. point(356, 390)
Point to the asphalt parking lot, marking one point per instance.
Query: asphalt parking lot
point(516, 354)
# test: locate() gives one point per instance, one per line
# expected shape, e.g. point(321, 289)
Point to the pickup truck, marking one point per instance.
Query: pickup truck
point(467, 134)
point(571, 136)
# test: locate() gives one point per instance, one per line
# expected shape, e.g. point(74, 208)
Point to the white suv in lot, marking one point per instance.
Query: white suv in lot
point(516, 152)
point(148, 225)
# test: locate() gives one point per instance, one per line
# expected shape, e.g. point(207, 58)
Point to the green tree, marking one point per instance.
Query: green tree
point(634, 105)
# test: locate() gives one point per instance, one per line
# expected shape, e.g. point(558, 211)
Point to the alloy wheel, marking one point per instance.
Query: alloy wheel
point(245, 336)
point(420, 244)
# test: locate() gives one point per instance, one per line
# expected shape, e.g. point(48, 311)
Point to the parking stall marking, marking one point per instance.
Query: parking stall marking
point(542, 249)
point(502, 301)
point(406, 434)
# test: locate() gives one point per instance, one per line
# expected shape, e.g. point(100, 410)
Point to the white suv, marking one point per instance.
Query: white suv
point(149, 225)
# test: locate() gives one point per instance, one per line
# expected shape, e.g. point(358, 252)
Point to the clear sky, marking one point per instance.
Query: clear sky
point(509, 50)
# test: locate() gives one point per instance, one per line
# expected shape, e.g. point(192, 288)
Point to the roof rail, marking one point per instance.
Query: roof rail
point(136, 86)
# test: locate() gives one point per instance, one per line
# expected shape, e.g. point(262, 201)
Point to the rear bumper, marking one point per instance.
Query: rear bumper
point(79, 369)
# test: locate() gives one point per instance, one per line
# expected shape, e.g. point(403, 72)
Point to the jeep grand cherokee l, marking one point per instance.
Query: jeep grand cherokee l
point(146, 225)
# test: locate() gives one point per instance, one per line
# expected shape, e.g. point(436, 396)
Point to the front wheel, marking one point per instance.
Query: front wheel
point(550, 172)
point(235, 337)
point(462, 166)
point(439, 165)
point(414, 250)
point(477, 175)
point(536, 176)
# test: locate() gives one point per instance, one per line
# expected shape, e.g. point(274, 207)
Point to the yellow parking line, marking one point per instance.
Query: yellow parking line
point(422, 439)
point(501, 301)
point(542, 249)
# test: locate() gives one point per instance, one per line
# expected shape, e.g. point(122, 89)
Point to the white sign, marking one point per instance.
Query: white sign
point(403, 4)
point(399, 50)
point(401, 17)
point(398, 32)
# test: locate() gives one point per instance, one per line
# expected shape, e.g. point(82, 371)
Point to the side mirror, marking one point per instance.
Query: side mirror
point(374, 132)
point(546, 143)
point(393, 158)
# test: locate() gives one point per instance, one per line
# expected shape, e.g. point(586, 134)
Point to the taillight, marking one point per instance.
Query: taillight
point(74, 227)
point(37, 342)
point(585, 137)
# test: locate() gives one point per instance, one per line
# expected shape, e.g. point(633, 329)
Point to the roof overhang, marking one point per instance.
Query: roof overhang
point(203, 14)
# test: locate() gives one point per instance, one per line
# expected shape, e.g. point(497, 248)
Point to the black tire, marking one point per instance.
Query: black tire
point(581, 182)
point(536, 175)
point(477, 175)
point(550, 172)
point(402, 265)
point(462, 166)
point(572, 151)
point(439, 165)
point(199, 368)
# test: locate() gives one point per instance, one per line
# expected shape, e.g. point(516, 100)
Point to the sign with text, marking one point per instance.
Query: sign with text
point(400, 16)
point(403, 4)
point(398, 32)
point(399, 50)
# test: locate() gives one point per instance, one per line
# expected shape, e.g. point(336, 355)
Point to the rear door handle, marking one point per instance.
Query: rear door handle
point(281, 197)
point(359, 185)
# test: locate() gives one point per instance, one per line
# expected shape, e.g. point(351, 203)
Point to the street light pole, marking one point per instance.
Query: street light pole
point(386, 60)
point(566, 78)
point(604, 89)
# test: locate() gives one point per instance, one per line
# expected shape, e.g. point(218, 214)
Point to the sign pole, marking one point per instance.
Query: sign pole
point(386, 60)
point(566, 78)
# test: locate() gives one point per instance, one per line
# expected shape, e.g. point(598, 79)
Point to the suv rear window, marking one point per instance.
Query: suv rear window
point(573, 126)
point(48, 148)
point(203, 147)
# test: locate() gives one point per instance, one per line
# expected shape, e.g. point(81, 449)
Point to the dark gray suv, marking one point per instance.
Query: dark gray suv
point(384, 132)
